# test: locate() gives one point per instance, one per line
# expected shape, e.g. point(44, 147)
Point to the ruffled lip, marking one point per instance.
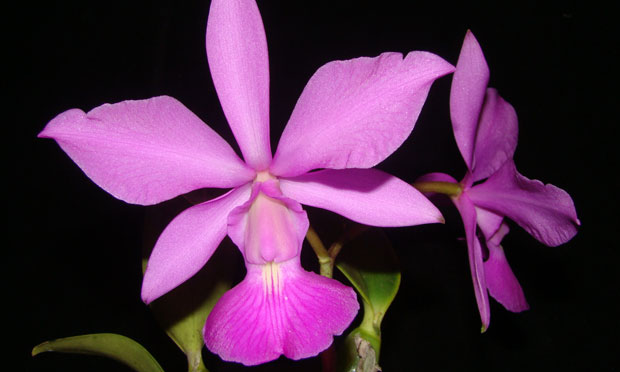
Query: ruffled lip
point(279, 309)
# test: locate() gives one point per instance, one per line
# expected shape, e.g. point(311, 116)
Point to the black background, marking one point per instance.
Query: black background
point(72, 260)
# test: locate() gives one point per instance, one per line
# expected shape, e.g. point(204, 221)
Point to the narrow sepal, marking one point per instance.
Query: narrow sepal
point(188, 242)
point(468, 213)
point(469, 84)
point(239, 64)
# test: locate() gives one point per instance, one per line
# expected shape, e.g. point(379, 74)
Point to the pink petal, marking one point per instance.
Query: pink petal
point(268, 227)
point(279, 309)
point(147, 151)
point(368, 196)
point(467, 96)
point(187, 243)
point(237, 54)
point(545, 211)
point(468, 213)
point(496, 139)
point(355, 113)
point(501, 282)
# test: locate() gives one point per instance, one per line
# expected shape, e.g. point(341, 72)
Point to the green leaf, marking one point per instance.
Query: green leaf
point(370, 264)
point(114, 346)
point(183, 312)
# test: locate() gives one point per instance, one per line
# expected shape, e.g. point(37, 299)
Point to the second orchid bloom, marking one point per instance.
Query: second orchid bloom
point(485, 128)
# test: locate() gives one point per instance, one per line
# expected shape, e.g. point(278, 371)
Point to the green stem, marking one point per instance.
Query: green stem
point(325, 260)
point(195, 363)
point(326, 264)
point(447, 188)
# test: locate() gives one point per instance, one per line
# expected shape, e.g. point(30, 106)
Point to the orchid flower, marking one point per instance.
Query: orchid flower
point(485, 128)
point(351, 116)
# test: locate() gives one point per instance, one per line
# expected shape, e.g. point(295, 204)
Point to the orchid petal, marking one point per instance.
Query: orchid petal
point(467, 93)
point(148, 151)
point(269, 226)
point(468, 213)
point(279, 309)
point(496, 139)
point(239, 64)
point(545, 211)
point(367, 196)
point(355, 113)
point(501, 282)
point(188, 242)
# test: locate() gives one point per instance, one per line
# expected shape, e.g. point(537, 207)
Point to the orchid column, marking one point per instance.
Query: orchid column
point(351, 116)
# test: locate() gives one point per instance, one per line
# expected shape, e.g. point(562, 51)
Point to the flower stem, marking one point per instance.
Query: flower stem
point(325, 260)
point(196, 364)
point(326, 265)
point(447, 188)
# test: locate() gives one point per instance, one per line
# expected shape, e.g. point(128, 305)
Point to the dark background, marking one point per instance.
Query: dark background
point(72, 261)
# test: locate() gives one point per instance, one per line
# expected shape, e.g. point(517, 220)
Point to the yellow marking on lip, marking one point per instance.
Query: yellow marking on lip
point(271, 278)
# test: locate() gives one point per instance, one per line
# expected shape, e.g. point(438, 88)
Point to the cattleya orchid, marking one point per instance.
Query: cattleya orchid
point(351, 116)
point(485, 128)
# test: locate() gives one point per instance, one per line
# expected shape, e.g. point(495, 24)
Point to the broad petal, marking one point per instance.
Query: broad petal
point(545, 211)
point(188, 242)
point(501, 281)
point(367, 196)
point(147, 151)
point(496, 139)
point(239, 64)
point(355, 113)
point(469, 84)
point(279, 309)
point(269, 226)
point(468, 213)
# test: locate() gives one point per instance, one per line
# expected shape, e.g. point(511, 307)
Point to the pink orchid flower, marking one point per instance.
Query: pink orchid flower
point(351, 116)
point(485, 128)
